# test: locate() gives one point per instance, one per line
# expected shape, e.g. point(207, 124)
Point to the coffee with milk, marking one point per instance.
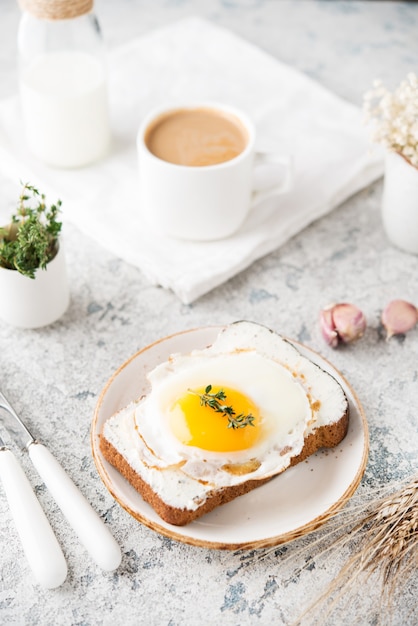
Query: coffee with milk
point(196, 137)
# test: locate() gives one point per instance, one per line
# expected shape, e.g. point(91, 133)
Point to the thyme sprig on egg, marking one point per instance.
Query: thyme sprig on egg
point(216, 400)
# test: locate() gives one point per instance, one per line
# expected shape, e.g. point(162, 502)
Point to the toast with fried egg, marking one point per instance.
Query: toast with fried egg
point(222, 421)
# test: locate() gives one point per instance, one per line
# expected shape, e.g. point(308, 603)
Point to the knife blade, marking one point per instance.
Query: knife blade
point(88, 526)
point(39, 543)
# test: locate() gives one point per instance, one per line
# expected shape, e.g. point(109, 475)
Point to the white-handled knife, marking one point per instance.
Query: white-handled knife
point(39, 543)
point(89, 527)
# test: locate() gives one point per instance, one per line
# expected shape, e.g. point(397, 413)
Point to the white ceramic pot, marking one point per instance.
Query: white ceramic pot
point(34, 302)
point(400, 202)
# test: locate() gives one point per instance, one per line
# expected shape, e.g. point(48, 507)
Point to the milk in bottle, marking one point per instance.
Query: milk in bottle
point(63, 83)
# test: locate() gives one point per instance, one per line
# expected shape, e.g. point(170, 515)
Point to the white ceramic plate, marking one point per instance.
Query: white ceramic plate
point(289, 506)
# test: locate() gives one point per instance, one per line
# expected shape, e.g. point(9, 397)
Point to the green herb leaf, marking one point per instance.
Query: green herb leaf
point(213, 401)
point(30, 241)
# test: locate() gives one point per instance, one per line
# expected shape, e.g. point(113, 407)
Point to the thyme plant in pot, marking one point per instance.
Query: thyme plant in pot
point(33, 272)
point(394, 118)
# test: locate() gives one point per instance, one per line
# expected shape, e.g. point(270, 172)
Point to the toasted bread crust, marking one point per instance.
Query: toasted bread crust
point(324, 436)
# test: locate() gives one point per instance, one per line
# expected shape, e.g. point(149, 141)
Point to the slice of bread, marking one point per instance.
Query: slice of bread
point(181, 490)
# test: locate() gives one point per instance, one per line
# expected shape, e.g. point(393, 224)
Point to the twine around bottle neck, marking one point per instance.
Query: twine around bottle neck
point(56, 9)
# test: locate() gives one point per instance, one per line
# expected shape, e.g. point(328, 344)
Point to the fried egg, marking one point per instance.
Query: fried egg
point(260, 420)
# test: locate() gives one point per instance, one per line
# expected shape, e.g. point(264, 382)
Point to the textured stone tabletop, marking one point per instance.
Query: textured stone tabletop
point(53, 376)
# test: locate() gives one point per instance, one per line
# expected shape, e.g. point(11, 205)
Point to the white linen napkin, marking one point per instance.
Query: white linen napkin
point(194, 60)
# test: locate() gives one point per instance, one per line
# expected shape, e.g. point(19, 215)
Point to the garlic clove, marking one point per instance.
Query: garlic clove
point(342, 322)
point(349, 321)
point(327, 327)
point(398, 317)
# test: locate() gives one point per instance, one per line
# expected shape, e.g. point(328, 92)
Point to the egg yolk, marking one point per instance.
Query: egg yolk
point(194, 423)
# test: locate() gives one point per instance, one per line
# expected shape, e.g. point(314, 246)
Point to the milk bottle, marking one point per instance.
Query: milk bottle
point(62, 82)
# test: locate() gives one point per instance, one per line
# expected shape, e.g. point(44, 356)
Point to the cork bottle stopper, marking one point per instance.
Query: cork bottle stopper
point(56, 9)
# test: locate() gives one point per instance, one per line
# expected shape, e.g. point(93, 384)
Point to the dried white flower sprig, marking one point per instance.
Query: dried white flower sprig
point(394, 116)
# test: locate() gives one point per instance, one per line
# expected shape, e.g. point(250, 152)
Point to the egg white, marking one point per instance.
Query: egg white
point(283, 403)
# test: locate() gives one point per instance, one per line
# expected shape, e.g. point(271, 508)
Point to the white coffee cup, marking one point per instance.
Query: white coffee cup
point(205, 202)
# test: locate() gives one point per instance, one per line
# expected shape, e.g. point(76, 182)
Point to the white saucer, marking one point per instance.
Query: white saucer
point(291, 505)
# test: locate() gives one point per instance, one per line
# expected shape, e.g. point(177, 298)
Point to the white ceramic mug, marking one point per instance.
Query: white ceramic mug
point(209, 202)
